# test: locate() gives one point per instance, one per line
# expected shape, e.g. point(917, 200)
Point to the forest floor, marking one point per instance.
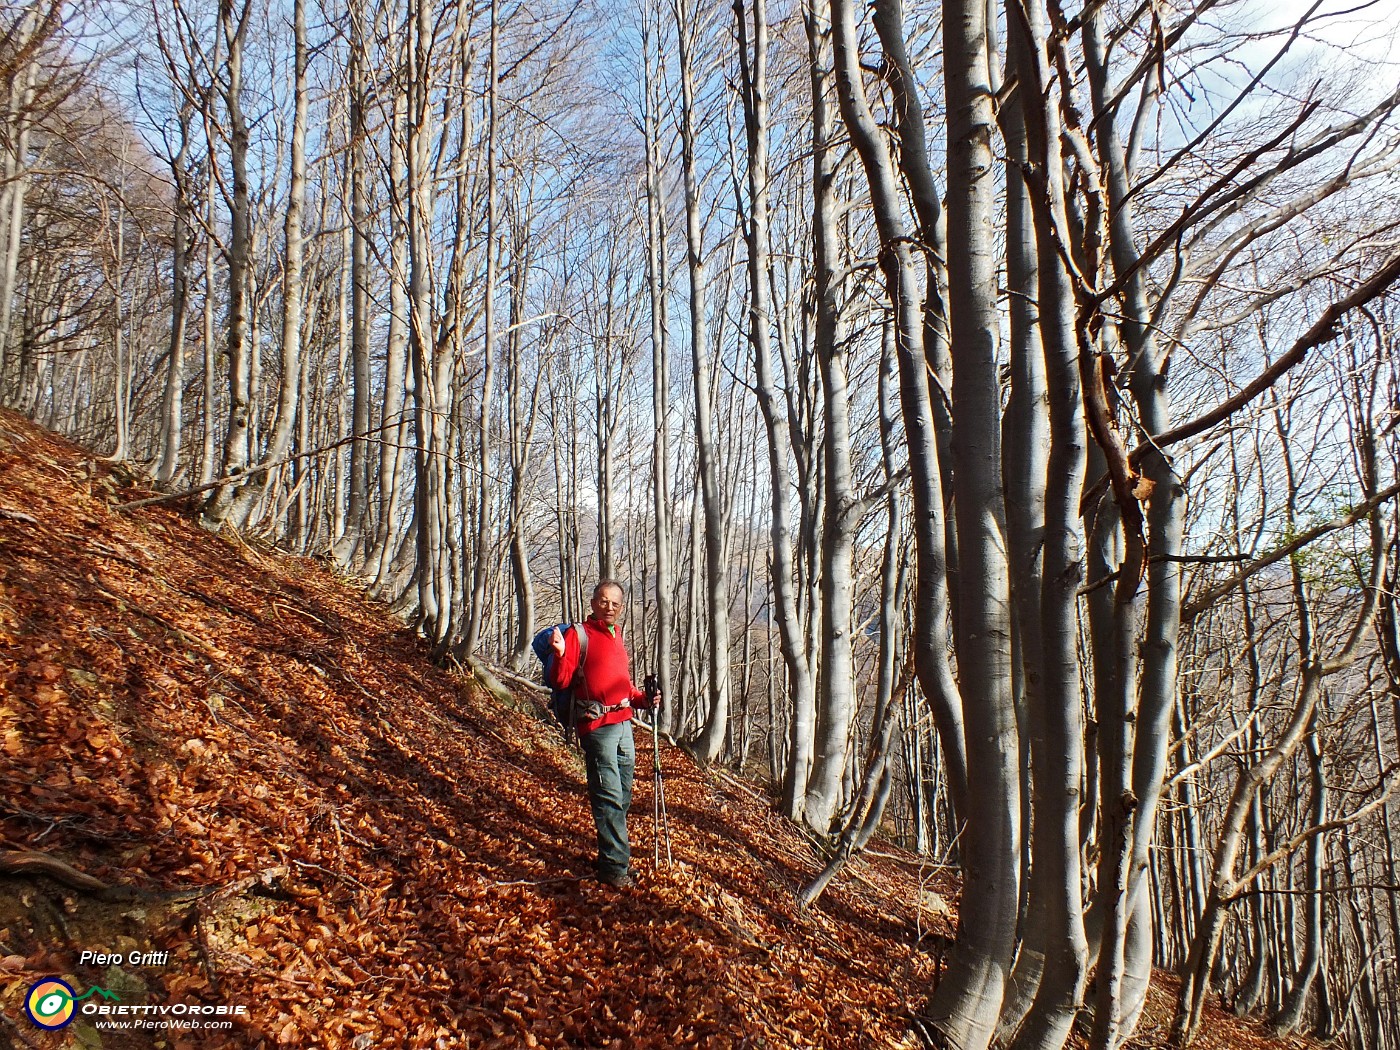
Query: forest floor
point(343, 845)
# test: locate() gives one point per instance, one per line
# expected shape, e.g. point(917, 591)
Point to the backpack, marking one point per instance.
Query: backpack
point(561, 701)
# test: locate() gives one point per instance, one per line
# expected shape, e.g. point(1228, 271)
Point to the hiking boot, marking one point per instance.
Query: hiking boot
point(625, 881)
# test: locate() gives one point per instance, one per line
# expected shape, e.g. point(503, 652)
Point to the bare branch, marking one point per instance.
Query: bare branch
point(1214, 594)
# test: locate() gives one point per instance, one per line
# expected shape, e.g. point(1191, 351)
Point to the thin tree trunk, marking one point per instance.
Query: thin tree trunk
point(209, 410)
point(477, 613)
point(430, 409)
point(1291, 1016)
point(710, 744)
point(1166, 515)
point(877, 780)
point(660, 368)
point(172, 407)
point(1025, 446)
point(235, 458)
point(754, 84)
point(836, 701)
point(1252, 986)
point(391, 457)
point(357, 511)
point(121, 349)
point(289, 391)
point(16, 181)
point(921, 337)
point(522, 429)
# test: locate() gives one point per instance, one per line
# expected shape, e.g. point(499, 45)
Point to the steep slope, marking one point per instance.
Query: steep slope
point(232, 766)
point(372, 852)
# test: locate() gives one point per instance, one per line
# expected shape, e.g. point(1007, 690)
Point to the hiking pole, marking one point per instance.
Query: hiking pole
point(661, 825)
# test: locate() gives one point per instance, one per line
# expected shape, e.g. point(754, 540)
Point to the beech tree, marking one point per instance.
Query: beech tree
point(989, 409)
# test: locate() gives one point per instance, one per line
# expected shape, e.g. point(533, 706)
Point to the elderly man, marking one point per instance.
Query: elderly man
point(604, 701)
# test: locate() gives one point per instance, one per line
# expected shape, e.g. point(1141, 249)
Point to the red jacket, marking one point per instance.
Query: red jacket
point(607, 677)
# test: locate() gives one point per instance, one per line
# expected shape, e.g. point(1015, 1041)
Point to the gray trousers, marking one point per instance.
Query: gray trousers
point(611, 757)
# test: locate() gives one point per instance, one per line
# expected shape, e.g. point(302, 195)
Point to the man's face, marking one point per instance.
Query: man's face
point(607, 605)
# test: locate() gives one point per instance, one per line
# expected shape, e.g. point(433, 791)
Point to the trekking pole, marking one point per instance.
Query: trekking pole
point(661, 824)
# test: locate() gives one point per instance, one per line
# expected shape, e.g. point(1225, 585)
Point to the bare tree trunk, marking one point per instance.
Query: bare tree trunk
point(121, 350)
point(1054, 700)
point(1025, 443)
point(289, 391)
point(172, 414)
point(1251, 988)
point(921, 329)
point(710, 744)
point(1291, 1016)
point(210, 414)
point(304, 471)
point(16, 175)
point(253, 342)
point(835, 702)
point(394, 420)
point(430, 408)
point(877, 780)
point(608, 364)
point(1165, 522)
point(522, 429)
point(220, 503)
point(357, 511)
point(754, 83)
point(477, 609)
point(1113, 618)
point(660, 375)
point(966, 1005)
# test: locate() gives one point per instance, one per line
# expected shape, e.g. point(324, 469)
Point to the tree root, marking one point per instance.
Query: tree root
point(32, 863)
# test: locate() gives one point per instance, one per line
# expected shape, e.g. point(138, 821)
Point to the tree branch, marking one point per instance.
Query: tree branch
point(1214, 594)
point(1323, 330)
point(1237, 889)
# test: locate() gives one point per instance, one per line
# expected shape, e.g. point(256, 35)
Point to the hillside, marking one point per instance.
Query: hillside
point(229, 762)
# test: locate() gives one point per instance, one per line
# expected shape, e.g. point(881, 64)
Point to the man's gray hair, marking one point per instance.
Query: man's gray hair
point(603, 585)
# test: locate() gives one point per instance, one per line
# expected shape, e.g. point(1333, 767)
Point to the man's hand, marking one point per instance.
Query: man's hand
point(556, 642)
point(651, 692)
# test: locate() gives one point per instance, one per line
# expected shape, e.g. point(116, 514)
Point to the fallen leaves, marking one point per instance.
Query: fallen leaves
point(405, 862)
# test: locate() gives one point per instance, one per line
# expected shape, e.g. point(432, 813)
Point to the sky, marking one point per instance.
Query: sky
point(1368, 30)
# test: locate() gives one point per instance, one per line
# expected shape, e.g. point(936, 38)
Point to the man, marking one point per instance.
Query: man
point(605, 725)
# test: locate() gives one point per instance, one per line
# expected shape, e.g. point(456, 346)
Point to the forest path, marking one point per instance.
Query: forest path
point(404, 860)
